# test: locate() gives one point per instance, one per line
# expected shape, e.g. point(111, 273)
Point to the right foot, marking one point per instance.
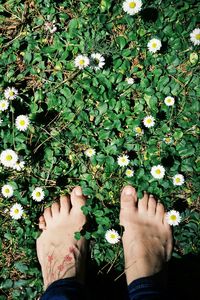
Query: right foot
point(147, 238)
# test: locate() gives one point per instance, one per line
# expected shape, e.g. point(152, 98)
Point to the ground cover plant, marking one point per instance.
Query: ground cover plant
point(100, 94)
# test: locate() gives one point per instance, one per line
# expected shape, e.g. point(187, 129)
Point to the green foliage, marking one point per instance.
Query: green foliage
point(71, 110)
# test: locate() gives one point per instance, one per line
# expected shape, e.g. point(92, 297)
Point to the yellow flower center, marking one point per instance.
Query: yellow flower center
point(9, 157)
point(197, 36)
point(16, 211)
point(22, 122)
point(149, 121)
point(158, 171)
point(112, 236)
point(7, 191)
point(169, 100)
point(123, 159)
point(173, 217)
point(38, 194)
point(11, 93)
point(138, 130)
point(167, 140)
point(81, 62)
point(132, 5)
point(154, 45)
point(178, 180)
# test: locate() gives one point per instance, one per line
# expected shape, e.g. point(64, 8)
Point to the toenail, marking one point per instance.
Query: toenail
point(151, 196)
point(78, 192)
point(128, 191)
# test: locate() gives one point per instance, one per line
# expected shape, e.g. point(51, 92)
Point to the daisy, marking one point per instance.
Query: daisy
point(158, 171)
point(139, 131)
point(173, 217)
point(4, 105)
point(178, 179)
point(8, 158)
point(132, 7)
point(154, 45)
point(112, 236)
point(123, 160)
point(16, 211)
point(97, 61)
point(22, 122)
point(81, 61)
point(168, 140)
point(195, 36)
point(49, 26)
point(129, 80)
point(129, 173)
point(38, 194)
point(7, 190)
point(90, 152)
point(149, 121)
point(169, 101)
point(19, 165)
point(10, 93)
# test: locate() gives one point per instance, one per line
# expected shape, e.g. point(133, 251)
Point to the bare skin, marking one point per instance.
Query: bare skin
point(147, 238)
point(59, 253)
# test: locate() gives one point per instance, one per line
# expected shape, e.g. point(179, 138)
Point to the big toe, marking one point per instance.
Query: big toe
point(128, 197)
point(77, 199)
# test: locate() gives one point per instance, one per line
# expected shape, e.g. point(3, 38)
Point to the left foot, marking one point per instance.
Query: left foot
point(59, 253)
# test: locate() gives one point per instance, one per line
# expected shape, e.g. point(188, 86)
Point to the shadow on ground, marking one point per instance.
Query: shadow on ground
point(183, 281)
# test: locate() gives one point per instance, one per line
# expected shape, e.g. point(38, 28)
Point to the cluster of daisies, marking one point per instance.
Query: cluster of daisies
point(158, 171)
point(173, 218)
point(22, 121)
point(10, 159)
point(96, 61)
point(132, 7)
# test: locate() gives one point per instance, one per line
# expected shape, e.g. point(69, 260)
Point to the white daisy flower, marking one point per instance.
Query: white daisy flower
point(38, 194)
point(195, 36)
point(129, 80)
point(90, 152)
point(10, 93)
point(132, 7)
point(7, 190)
point(16, 211)
point(139, 131)
point(168, 140)
point(81, 61)
point(173, 217)
point(129, 173)
point(158, 171)
point(169, 101)
point(178, 179)
point(19, 165)
point(154, 45)
point(123, 160)
point(149, 121)
point(22, 122)
point(112, 236)
point(4, 105)
point(8, 158)
point(97, 61)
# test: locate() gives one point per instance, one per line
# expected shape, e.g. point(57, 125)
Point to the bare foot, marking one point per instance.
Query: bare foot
point(147, 238)
point(59, 253)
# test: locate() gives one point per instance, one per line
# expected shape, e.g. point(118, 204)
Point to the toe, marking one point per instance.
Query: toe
point(55, 208)
point(128, 197)
point(65, 204)
point(160, 212)
point(142, 203)
point(42, 223)
point(77, 198)
point(151, 206)
point(47, 215)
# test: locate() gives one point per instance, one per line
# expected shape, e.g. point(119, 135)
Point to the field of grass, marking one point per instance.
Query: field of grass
point(98, 121)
